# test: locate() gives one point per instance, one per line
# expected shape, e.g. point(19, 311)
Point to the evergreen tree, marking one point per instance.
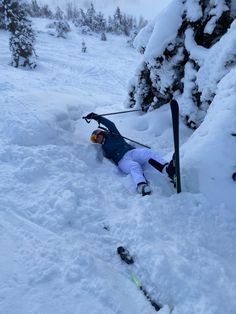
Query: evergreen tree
point(174, 69)
point(131, 39)
point(72, 11)
point(61, 26)
point(141, 23)
point(59, 15)
point(35, 9)
point(99, 23)
point(2, 16)
point(90, 16)
point(82, 22)
point(109, 27)
point(90, 21)
point(117, 22)
point(46, 12)
point(22, 35)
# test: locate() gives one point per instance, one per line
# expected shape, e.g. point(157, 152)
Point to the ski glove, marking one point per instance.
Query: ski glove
point(92, 116)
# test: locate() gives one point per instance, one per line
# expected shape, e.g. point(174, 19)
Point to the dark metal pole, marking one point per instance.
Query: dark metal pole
point(135, 142)
point(119, 112)
point(112, 113)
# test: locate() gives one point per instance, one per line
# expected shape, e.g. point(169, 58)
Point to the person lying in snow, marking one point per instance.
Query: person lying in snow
point(129, 160)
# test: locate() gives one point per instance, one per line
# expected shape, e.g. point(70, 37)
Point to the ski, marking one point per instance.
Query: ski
point(128, 259)
point(175, 122)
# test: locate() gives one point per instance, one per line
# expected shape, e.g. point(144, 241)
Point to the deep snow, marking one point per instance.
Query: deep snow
point(64, 209)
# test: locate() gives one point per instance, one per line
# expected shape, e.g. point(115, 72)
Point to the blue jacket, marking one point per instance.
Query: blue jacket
point(114, 146)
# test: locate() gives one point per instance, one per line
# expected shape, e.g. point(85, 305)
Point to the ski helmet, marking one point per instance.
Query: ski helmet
point(95, 134)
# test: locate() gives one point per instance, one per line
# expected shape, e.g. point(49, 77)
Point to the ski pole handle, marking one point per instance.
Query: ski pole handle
point(86, 119)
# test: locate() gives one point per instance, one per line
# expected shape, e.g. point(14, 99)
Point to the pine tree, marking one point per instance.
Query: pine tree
point(35, 9)
point(2, 16)
point(22, 35)
point(109, 27)
point(59, 15)
point(46, 12)
point(61, 26)
point(166, 75)
point(90, 16)
point(99, 23)
point(117, 22)
point(141, 23)
point(131, 39)
point(72, 11)
point(82, 22)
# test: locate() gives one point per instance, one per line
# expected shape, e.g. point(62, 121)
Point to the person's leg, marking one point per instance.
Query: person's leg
point(170, 169)
point(157, 165)
point(145, 155)
point(133, 168)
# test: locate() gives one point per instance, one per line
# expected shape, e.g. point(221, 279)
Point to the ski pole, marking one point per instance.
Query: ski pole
point(113, 113)
point(119, 112)
point(126, 138)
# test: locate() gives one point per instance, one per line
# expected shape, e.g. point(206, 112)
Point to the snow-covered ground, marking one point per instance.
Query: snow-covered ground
point(64, 209)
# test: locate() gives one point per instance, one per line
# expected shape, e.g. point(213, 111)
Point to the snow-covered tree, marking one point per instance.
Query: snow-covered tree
point(22, 35)
point(99, 23)
point(60, 27)
point(35, 8)
point(80, 21)
point(59, 15)
point(2, 16)
point(72, 11)
point(141, 23)
point(91, 21)
point(109, 25)
point(90, 16)
point(174, 45)
point(117, 22)
point(131, 39)
point(46, 12)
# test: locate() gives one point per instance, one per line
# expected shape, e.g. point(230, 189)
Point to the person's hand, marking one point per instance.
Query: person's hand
point(91, 116)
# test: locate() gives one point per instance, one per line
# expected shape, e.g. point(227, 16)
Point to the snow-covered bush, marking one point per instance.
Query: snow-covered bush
point(62, 28)
point(175, 45)
point(59, 28)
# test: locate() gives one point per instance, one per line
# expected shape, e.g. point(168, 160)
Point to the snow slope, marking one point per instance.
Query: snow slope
point(64, 209)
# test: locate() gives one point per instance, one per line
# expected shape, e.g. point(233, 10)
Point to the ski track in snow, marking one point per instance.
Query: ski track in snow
point(64, 210)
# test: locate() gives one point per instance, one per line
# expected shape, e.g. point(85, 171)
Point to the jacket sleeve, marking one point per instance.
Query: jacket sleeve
point(109, 124)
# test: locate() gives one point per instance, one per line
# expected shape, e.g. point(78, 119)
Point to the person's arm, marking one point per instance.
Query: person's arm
point(107, 123)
